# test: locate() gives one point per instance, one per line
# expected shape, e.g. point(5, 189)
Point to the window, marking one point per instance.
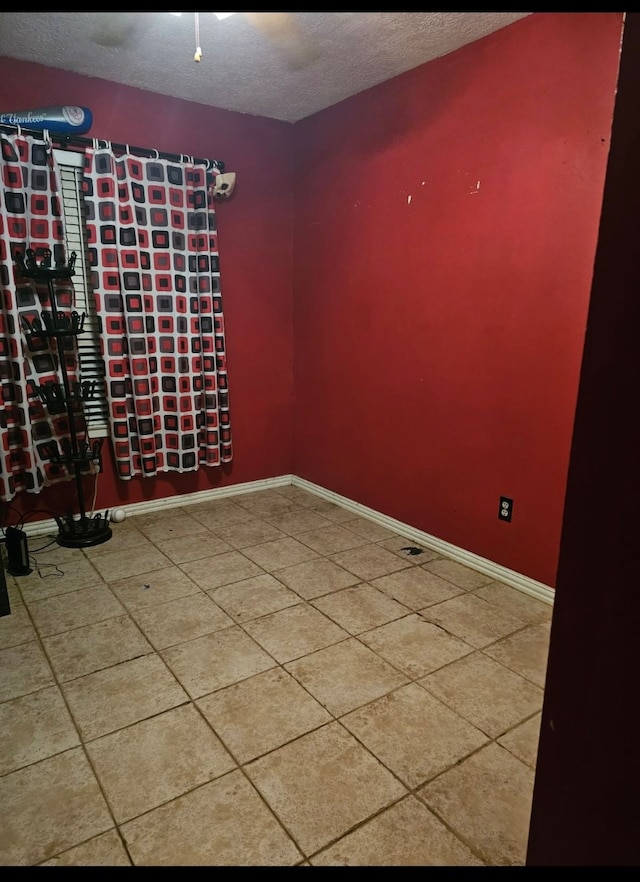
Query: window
point(89, 346)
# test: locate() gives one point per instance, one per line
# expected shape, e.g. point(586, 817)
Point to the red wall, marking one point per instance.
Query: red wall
point(255, 263)
point(438, 268)
point(445, 226)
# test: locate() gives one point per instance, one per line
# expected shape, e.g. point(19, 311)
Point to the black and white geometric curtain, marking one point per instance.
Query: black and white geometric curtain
point(154, 268)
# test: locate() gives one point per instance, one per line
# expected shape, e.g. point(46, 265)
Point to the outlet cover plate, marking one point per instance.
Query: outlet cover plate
point(505, 511)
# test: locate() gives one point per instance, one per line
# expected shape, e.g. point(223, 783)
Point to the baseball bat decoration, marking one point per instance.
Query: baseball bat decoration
point(65, 119)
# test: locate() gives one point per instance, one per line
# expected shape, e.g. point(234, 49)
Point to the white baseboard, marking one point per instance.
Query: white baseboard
point(468, 558)
point(43, 528)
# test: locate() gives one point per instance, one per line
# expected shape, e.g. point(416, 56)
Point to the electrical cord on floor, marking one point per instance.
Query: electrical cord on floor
point(38, 568)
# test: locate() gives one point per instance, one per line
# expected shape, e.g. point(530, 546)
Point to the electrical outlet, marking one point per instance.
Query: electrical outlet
point(506, 508)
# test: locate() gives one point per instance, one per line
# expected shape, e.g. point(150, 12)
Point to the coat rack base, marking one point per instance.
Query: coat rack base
point(83, 532)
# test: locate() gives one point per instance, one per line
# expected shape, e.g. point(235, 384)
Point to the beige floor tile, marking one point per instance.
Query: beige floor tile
point(525, 652)
point(49, 807)
point(224, 505)
point(33, 728)
point(11, 581)
point(216, 660)
point(399, 544)
point(23, 669)
point(370, 562)
point(105, 850)
point(345, 676)
point(75, 609)
point(298, 781)
point(522, 741)
point(370, 530)
point(414, 646)
point(124, 537)
point(156, 760)
point(148, 589)
point(258, 498)
point(486, 800)
point(254, 597)
point(157, 516)
point(294, 632)
point(116, 565)
point(457, 573)
point(360, 608)
point(267, 503)
point(252, 532)
point(331, 539)
point(194, 547)
point(155, 697)
point(53, 579)
point(222, 823)
point(185, 618)
point(300, 521)
point(414, 734)
point(168, 525)
point(93, 647)
point(298, 494)
point(279, 554)
point(222, 569)
point(484, 692)
point(16, 627)
point(529, 609)
point(331, 511)
point(405, 835)
point(264, 712)
point(472, 619)
point(219, 513)
point(108, 700)
point(316, 577)
point(416, 588)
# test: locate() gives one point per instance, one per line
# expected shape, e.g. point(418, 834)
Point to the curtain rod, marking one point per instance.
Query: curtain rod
point(79, 141)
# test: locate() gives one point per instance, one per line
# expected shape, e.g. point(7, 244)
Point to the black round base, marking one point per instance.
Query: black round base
point(77, 537)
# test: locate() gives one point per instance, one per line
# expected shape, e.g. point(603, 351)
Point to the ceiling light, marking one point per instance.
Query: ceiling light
point(218, 15)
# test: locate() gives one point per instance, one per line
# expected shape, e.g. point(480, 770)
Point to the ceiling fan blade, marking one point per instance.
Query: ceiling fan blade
point(282, 30)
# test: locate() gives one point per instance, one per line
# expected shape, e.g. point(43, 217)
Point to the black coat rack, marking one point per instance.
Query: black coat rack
point(75, 452)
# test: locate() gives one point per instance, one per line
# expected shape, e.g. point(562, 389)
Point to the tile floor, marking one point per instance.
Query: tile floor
point(265, 680)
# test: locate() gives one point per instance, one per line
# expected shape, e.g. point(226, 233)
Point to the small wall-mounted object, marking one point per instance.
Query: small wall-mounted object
point(223, 185)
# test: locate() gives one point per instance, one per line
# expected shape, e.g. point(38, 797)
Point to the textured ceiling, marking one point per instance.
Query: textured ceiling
point(317, 60)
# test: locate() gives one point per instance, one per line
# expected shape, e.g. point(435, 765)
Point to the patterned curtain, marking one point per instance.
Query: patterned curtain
point(30, 218)
point(154, 263)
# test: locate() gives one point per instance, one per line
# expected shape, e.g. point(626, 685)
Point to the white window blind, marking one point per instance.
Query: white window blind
point(89, 346)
